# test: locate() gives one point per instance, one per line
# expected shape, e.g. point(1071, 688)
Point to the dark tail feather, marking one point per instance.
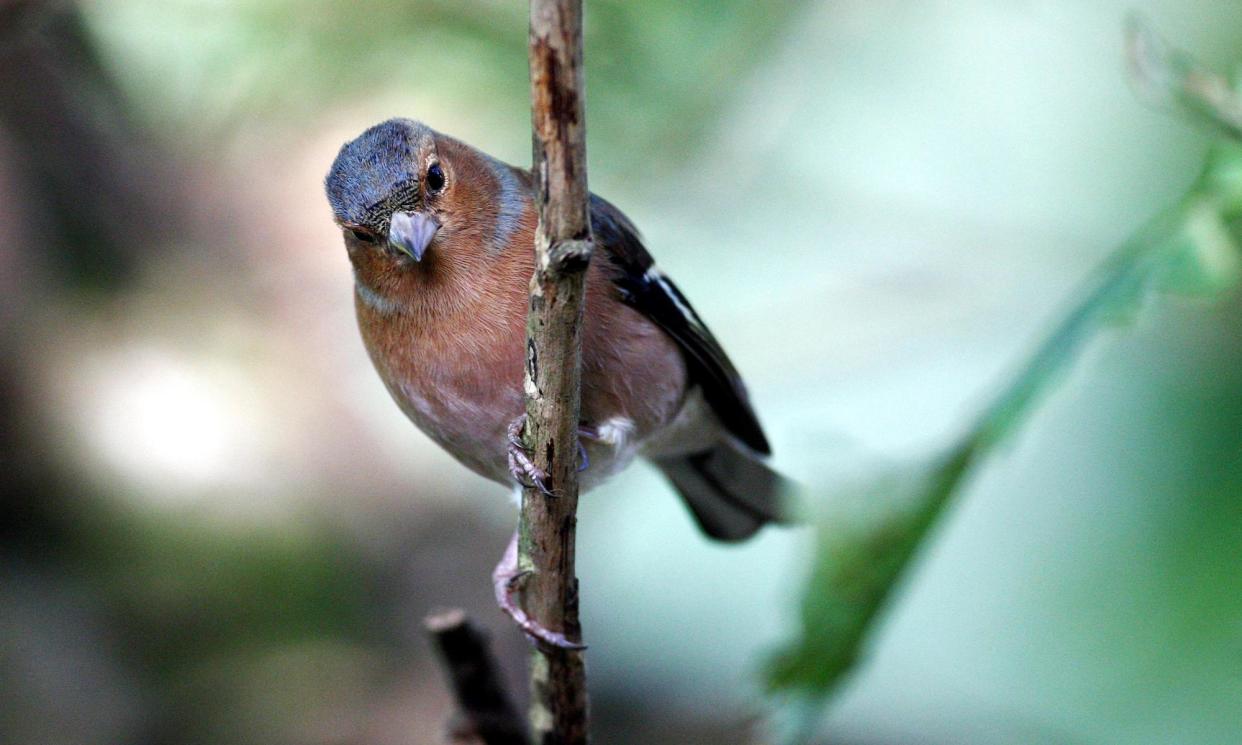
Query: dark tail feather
point(731, 493)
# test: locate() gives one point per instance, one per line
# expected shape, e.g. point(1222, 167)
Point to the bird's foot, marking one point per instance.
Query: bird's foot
point(584, 461)
point(521, 467)
point(507, 580)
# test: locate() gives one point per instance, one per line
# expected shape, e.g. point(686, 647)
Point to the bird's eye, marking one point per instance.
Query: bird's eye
point(362, 234)
point(435, 178)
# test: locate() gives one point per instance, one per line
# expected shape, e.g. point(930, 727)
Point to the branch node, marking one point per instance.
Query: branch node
point(569, 256)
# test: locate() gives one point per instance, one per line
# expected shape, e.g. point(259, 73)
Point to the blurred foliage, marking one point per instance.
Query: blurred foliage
point(914, 162)
point(191, 594)
point(236, 631)
point(867, 537)
point(650, 91)
point(88, 172)
point(1171, 77)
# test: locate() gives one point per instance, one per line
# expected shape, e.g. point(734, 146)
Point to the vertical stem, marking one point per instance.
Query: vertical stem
point(553, 339)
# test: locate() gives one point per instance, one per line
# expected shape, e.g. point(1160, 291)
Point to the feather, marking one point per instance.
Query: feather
point(644, 287)
point(731, 493)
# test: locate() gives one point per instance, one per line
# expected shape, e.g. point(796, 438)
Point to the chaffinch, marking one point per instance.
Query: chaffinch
point(441, 238)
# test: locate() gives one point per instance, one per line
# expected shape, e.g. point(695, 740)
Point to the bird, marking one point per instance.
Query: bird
point(440, 237)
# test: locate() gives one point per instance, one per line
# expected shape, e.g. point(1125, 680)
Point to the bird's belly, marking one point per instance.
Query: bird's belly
point(466, 416)
point(460, 393)
point(464, 389)
point(472, 425)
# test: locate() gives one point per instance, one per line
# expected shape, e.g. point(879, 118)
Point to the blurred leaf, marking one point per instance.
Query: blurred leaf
point(186, 593)
point(656, 70)
point(1173, 78)
point(860, 551)
point(868, 536)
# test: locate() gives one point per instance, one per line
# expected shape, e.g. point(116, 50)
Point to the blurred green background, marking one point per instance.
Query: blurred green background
point(217, 528)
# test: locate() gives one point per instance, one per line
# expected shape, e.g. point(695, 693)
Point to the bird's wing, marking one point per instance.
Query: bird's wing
point(645, 288)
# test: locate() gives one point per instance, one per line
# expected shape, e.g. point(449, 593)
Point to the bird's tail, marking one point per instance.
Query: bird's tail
point(731, 492)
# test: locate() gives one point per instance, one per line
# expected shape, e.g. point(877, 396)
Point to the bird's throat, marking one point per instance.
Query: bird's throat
point(376, 300)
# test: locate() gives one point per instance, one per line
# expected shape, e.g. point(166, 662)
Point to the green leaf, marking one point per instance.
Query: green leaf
point(869, 535)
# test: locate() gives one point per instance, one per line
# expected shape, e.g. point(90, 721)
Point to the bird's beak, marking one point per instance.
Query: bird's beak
point(411, 233)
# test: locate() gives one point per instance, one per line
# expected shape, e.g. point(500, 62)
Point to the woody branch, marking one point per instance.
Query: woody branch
point(563, 248)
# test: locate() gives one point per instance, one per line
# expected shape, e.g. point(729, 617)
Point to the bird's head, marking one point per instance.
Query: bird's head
point(392, 189)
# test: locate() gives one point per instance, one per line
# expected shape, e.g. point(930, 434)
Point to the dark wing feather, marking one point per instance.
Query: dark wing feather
point(646, 289)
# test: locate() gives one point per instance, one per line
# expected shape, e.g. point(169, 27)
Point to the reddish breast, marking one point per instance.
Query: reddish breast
point(447, 334)
point(456, 371)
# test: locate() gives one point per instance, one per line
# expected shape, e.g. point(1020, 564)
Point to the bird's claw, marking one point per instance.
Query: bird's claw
point(584, 461)
point(521, 467)
point(507, 580)
point(514, 582)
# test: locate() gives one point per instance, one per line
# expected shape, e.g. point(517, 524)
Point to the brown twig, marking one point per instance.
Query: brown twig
point(563, 248)
point(486, 712)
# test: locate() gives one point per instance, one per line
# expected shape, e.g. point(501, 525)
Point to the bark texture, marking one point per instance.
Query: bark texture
point(553, 351)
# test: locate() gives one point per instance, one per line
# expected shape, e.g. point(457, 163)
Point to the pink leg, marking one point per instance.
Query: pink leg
point(506, 578)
